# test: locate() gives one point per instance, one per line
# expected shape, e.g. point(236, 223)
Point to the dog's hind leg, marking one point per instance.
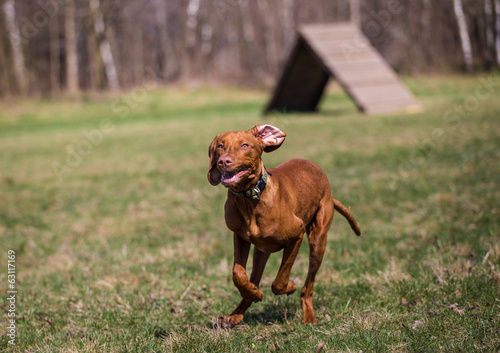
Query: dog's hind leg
point(317, 235)
point(282, 283)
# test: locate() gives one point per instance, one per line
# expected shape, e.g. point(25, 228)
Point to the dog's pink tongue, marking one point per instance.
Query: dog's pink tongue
point(227, 176)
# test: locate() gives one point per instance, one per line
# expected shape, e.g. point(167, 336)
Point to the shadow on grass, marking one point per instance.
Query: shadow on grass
point(271, 315)
point(276, 313)
point(278, 309)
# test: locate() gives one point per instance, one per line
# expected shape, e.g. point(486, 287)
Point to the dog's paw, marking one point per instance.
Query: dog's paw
point(290, 288)
point(253, 296)
point(258, 295)
point(309, 319)
point(228, 322)
point(280, 290)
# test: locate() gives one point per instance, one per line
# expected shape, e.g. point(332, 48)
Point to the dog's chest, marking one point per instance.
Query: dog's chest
point(265, 227)
point(264, 235)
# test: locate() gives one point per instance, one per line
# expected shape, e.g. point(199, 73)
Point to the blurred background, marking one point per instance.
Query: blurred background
point(107, 109)
point(52, 47)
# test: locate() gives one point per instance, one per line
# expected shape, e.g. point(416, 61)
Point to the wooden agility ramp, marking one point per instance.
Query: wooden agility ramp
point(342, 52)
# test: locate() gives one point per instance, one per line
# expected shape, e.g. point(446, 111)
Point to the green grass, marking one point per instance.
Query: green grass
point(126, 249)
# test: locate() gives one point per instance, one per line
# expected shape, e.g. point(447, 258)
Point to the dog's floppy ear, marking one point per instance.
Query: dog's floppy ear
point(271, 137)
point(213, 175)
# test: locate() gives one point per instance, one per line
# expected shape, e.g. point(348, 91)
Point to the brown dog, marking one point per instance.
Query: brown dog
point(272, 210)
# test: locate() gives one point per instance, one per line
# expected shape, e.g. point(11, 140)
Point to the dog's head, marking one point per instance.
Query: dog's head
point(235, 156)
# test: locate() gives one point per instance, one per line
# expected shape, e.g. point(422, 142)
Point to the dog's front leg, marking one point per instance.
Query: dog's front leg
point(248, 289)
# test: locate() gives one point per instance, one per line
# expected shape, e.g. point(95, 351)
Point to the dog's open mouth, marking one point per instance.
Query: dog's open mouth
point(232, 178)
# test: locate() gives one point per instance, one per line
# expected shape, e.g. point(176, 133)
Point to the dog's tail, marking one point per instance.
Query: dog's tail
point(344, 211)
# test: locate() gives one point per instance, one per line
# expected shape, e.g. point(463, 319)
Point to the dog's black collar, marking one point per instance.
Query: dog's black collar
point(255, 192)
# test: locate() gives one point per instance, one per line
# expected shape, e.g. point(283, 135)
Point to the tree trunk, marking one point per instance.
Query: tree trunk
point(246, 20)
point(55, 53)
point(497, 29)
point(192, 22)
point(134, 17)
point(15, 42)
point(272, 56)
point(191, 29)
point(104, 46)
point(72, 79)
point(168, 60)
point(464, 35)
point(247, 45)
point(490, 32)
point(355, 12)
point(289, 22)
point(426, 30)
point(5, 88)
point(95, 65)
point(138, 58)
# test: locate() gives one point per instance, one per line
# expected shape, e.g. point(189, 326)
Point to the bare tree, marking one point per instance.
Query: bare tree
point(104, 46)
point(192, 22)
point(464, 34)
point(122, 42)
point(288, 21)
point(248, 30)
point(134, 13)
point(191, 31)
point(355, 12)
point(16, 45)
point(4, 79)
point(94, 60)
point(168, 57)
point(55, 53)
point(72, 79)
point(497, 29)
point(490, 32)
point(247, 45)
point(426, 28)
point(271, 48)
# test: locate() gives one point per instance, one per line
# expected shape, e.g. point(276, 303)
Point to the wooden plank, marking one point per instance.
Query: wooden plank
point(367, 95)
point(351, 35)
point(335, 54)
point(326, 26)
point(345, 45)
point(371, 67)
point(332, 51)
point(347, 34)
point(368, 64)
point(374, 80)
point(344, 54)
point(360, 76)
point(342, 51)
point(321, 29)
point(392, 106)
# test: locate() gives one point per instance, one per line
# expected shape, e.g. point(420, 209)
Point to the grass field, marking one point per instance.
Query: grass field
point(120, 243)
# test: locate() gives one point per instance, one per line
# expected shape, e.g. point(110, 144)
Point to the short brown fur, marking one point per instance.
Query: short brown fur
point(296, 200)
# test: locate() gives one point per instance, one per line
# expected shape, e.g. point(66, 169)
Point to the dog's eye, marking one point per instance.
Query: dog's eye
point(244, 145)
point(220, 146)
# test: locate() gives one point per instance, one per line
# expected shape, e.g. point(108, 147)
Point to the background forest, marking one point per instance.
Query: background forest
point(68, 46)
